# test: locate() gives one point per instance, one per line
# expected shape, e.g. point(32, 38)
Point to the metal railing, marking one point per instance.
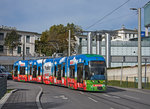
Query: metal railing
point(3, 86)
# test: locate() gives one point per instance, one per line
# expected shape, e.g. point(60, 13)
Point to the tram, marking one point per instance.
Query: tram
point(82, 72)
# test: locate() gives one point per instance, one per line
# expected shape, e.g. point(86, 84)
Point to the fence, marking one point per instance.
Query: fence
point(130, 82)
point(3, 86)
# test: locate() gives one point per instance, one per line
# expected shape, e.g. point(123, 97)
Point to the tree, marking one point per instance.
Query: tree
point(56, 39)
point(12, 40)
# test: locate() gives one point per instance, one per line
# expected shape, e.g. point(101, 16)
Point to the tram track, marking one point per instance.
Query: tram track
point(116, 100)
point(113, 101)
point(106, 101)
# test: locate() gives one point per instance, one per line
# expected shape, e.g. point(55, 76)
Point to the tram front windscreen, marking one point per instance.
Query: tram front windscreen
point(96, 70)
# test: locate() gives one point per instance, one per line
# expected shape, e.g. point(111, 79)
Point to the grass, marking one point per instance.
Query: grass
point(126, 84)
point(9, 90)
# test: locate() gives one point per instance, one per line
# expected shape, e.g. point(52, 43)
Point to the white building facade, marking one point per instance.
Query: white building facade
point(26, 38)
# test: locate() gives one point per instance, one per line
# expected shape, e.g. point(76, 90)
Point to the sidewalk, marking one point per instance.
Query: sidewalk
point(25, 96)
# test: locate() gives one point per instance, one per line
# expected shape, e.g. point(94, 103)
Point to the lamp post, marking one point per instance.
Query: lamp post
point(69, 43)
point(23, 56)
point(139, 48)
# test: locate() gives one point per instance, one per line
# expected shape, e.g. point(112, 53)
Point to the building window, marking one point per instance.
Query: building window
point(1, 36)
point(28, 39)
point(1, 48)
point(19, 50)
point(10, 51)
point(19, 38)
point(27, 50)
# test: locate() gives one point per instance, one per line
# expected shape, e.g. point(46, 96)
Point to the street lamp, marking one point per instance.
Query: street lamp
point(139, 48)
point(69, 42)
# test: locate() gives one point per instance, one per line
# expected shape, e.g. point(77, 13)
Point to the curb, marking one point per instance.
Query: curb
point(131, 89)
point(5, 98)
point(38, 98)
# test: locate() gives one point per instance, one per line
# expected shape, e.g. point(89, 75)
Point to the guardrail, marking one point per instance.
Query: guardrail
point(3, 86)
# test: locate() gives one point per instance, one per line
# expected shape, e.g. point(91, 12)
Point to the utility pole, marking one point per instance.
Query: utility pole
point(23, 56)
point(139, 48)
point(139, 51)
point(69, 43)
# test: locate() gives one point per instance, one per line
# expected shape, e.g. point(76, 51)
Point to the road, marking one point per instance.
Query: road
point(114, 98)
point(56, 97)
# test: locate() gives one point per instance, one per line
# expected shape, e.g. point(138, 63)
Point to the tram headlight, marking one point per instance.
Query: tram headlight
point(104, 82)
point(93, 81)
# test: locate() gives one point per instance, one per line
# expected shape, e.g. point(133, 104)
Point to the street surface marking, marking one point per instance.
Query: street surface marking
point(115, 96)
point(132, 97)
point(81, 93)
point(106, 95)
point(111, 108)
point(56, 96)
point(92, 99)
point(61, 96)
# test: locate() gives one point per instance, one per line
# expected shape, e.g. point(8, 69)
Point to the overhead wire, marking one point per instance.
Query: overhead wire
point(107, 15)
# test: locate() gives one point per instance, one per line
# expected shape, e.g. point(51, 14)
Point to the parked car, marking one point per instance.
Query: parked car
point(6, 74)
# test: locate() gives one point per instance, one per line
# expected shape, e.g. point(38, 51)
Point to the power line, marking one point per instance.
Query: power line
point(107, 14)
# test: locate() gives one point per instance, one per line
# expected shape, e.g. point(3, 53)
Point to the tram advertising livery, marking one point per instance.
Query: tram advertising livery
point(83, 72)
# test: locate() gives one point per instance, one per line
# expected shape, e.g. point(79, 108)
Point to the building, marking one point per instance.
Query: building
point(28, 38)
point(123, 48)
point(124, 34)
point(7, 57)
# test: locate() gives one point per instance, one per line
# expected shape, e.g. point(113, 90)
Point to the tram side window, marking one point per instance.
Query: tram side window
point(16, 71)
point(39, 71)
point(22, 70)
point(55, 71)
point(34, 70)
point(80, 73)
point(30, 70)
point(87, 73)
point(63, 75)
point(59, 72)
point(72, 71)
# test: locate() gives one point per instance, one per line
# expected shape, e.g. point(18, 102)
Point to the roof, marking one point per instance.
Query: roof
point(124, 29)
point(20, 31)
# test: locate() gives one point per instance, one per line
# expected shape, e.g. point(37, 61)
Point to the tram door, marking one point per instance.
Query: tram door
point(34, 71)
point(80, 73)
point(16, 71)
point(59, 73)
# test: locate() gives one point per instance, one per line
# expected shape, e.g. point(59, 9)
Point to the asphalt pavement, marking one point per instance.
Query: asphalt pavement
point(57, 97)
point(114, 98)
point(24, 97)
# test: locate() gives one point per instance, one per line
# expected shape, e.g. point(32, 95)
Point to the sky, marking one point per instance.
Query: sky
point(40, 15)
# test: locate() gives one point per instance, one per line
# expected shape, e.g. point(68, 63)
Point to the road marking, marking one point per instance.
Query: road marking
point(92, 99)
point(61, 96)
point(132, 97)
point(81, 93)
point(56, 96)
point(106, 95)
point(112, 108)
point(115, 96)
